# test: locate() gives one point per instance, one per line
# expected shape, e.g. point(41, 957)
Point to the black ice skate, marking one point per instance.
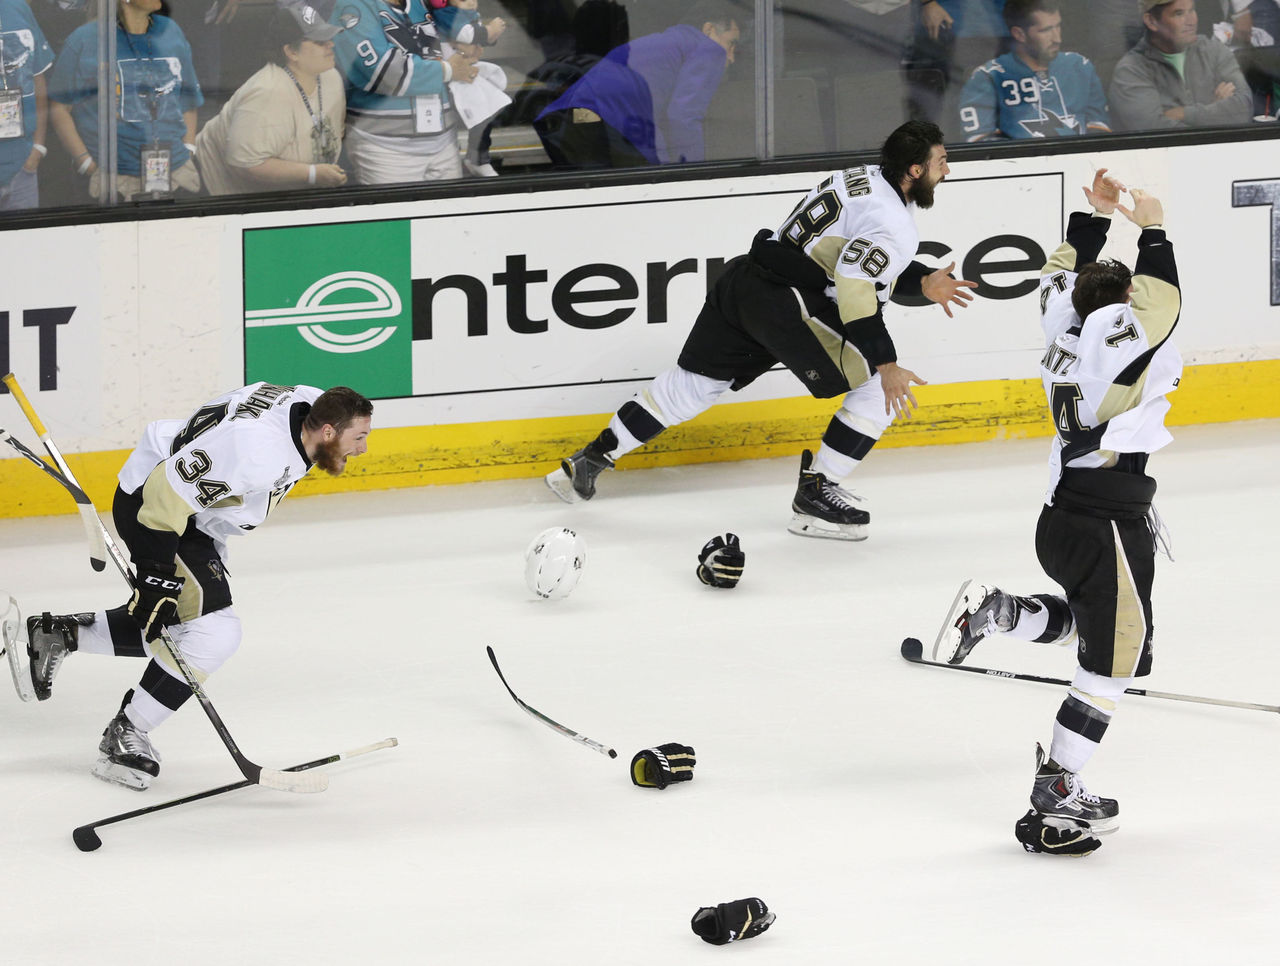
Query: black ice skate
point(575, 480)
point(128, 757)
point(978, 611)
point(1057, 792)
point(50, 638)
point(823, 509)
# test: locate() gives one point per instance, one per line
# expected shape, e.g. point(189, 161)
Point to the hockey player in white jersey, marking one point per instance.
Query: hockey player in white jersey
point(1107, 369)
point(189, 486)
point(810, 295)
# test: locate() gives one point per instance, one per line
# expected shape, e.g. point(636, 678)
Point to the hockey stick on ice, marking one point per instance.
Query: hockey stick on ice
point(554, 725)
point(913, 651)
point(269, 777)
point(86, 836)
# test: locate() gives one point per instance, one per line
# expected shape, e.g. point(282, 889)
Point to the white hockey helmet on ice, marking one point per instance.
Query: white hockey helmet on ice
point(554, 561)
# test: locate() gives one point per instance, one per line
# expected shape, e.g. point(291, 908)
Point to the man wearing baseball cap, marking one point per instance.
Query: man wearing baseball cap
point(1175, 78)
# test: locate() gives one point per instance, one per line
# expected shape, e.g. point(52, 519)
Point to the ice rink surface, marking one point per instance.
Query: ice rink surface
point(869, 802)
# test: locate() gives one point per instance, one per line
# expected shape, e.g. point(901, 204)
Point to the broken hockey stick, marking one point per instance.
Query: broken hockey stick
point(268, 777)
point(97, 552)
point(553, 725)
point(913, 651)
point(86, 836)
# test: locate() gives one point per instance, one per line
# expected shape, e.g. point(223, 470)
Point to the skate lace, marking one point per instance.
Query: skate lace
point(837, 496)
point(1160, 540)
point(134, 742)
point(1077, 791)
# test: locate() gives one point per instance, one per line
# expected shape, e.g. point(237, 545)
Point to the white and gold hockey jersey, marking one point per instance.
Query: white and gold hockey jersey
point(229, 464)
point(1107, 378)
point(861, 232)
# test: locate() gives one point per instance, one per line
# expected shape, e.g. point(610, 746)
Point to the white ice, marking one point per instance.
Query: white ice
point(869, 802)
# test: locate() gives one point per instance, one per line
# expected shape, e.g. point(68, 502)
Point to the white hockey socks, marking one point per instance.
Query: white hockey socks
point(1083, 718)
point(853, 430)
point(674, 396)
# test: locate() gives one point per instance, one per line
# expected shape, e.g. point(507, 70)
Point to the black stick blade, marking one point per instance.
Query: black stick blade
point(912, 649)
point(86, 839)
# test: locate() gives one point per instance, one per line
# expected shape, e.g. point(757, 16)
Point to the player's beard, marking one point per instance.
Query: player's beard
point(329, 456)
point(922, 193)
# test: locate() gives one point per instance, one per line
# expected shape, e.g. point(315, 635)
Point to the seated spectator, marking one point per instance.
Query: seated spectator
point(459, 24)
point(1175, 78)
point(158, 98)
point(401, 122)
point(283, 127)
point(1036, 90)
point(24, 108)
point(1251, 28)
point(644, 102)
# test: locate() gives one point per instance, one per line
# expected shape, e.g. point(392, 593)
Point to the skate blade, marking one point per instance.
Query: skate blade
point(14, 649)
point(559, 483)
point(944, 644)
point(109, 771)
point(803, 525)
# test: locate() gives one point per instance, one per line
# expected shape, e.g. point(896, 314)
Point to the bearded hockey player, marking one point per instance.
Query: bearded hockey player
point(189, 486)
point(810, 295)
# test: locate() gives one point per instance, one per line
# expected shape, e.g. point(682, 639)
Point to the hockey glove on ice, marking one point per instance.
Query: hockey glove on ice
point(659, 767)
point(1055, 835)
point(154, 604)
point(721, 561)
point(731, 921)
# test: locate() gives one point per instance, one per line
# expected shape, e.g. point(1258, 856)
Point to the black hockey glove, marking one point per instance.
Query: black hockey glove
point(721, 561)
point(1055, 835)
point(154, 604)
point(730, 921)
point(659, 767)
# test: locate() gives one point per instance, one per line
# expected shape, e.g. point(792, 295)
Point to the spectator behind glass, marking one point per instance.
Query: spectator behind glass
point(283, 127)
point(598, 27)
point(950, 39)
point(645, 101)
point(1175, 78)
point(1251, 28)
point(401, 123)
point(458, 22)
point(1037, 90)
point(24, 107)
point(158, 97)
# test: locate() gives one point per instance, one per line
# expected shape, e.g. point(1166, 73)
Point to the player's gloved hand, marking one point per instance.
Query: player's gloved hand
point(659, 767)
point(1055, 835)
point(154, 604)
point(721, 561)
point(731, 921)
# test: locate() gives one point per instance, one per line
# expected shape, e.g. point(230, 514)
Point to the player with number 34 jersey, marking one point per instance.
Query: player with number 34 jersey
point(188, 486)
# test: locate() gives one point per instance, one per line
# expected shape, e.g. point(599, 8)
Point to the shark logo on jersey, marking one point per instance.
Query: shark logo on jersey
point(330, 300)
point(1050, 125)
point(17, 47)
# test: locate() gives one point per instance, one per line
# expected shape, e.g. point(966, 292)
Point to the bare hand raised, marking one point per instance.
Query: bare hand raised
point(1104, 195)
point(941, 288)
point(1146, 211)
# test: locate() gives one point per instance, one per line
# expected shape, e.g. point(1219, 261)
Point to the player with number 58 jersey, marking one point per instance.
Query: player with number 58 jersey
point(811, 296)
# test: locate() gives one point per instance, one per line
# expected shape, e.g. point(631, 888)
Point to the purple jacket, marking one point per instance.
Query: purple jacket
point(654, 91)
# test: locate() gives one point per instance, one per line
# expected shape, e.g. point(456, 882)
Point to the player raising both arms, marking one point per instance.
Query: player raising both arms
point(811, 296)
point(188, 486)
point(1107, 369)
